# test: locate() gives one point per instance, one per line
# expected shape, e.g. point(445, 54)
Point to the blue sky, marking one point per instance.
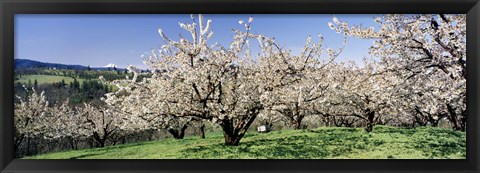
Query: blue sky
point(98, 40)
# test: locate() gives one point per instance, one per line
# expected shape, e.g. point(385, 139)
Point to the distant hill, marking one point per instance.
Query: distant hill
point(29, 64)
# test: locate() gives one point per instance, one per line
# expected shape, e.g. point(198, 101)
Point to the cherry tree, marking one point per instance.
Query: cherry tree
point(65, 122)
point(200, 82)
point(100, 123)
point(82, 122)
point(296, 101)
point(357, 93)
point(427, 98)
point(151, 104)
point(333, 108)
point(29, 117)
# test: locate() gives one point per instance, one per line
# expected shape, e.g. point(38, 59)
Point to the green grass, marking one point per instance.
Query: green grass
point(46, 79)
point(322, 143)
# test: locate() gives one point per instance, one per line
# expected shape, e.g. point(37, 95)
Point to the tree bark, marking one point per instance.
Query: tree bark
point(370, 123)
point(28, 147)
point(434, 122)
point(298, 123)
point(99, 140)
point(178, 134)
point(18, 142)
point(269, 125)
point(232, 140)
point(234, 132)
point(453, 117)
point(463, 121)
point(202, 131)
point(73, 143)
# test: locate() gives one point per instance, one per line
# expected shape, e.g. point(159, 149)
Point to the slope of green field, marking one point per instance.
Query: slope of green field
point(43, 79)
point(322, 143)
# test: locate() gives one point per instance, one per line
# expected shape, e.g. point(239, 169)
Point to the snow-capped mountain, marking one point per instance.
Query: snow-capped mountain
point(111, 65)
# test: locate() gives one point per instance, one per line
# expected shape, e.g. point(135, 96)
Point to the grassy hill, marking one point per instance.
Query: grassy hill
point(43, 79)
point(322, 143)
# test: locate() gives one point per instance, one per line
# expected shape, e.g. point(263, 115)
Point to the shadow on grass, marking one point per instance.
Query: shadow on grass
point(433, 142)
point(86, 155)
point(100, 151)
point(122, 146)
point(390, 130)
point(334, 130)
point(441, 147)
point(296, 147)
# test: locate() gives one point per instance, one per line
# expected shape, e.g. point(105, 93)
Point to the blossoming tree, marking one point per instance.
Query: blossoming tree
point(358, 93)
point(64, 121)
point(310, 84)
point(29, 116)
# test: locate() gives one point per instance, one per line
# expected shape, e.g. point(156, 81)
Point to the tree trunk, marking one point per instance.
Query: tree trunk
point(232, 140)
point(202, 131)
point(178, 134)
point(296, 123)
point(100, 143)
point(234, 132)
point(463, 121)
point(124, 139)
point(73, 143)
point(268, 125)
point(50, 146)
point(434, 122)
point(18, 142)
point(453, 117)
point(229, 133)
point(99, 140)
point(370, 118)
point(92, 142)
point(28, 147)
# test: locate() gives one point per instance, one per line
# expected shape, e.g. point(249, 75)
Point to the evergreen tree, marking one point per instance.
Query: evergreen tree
point(35, 83)
point(85, 87)
point(76, 84)
point(106, 88)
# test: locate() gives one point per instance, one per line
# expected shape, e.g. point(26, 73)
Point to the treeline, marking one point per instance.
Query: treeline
point(89, 89)
point(82, 74)
point(77, 92)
